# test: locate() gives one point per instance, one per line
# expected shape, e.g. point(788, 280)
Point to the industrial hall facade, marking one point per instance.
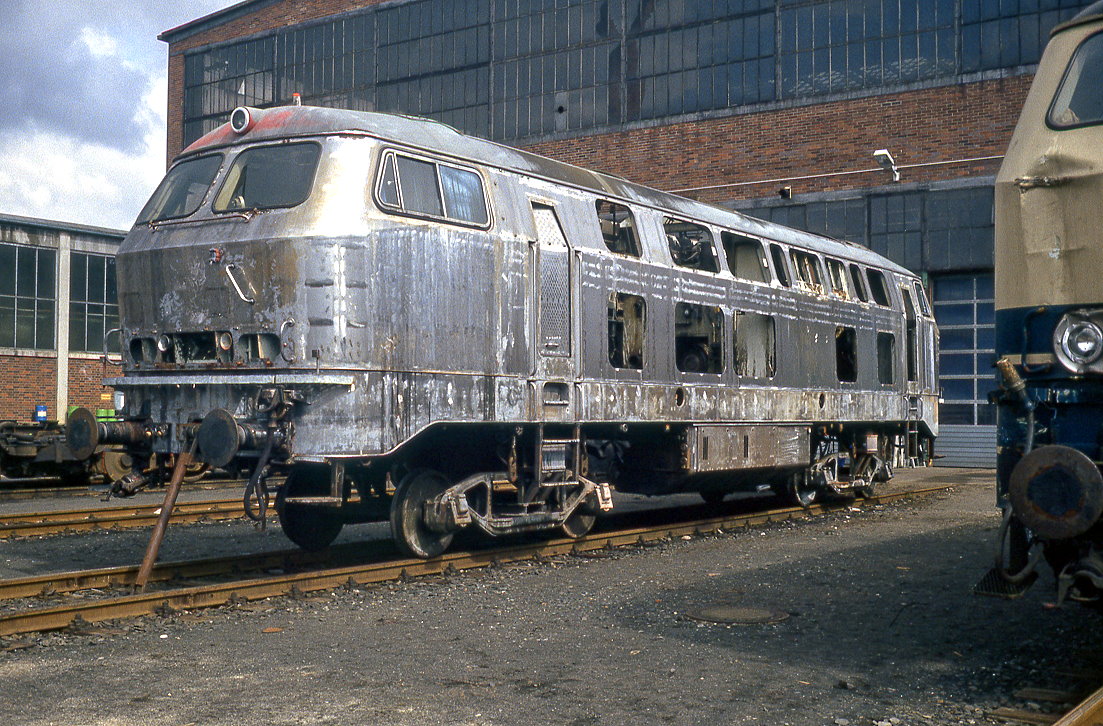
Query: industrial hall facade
point(881, 122)
point(58, 308)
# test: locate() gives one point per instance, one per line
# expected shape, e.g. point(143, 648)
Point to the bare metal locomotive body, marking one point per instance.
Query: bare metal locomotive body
point(1049, 323)
point(420, 325)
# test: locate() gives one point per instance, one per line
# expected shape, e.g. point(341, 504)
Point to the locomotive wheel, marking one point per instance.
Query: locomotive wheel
point(581, 520)
point(311, 527)
point(116, 464)
point(408, 528)
point(801, 490)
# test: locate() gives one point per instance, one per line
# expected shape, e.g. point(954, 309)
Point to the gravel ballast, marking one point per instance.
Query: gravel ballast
point(881, 628)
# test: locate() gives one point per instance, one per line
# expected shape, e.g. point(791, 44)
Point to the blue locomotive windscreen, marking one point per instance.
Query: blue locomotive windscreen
point(268, 177)
point(182, 190)
point(1079, 100)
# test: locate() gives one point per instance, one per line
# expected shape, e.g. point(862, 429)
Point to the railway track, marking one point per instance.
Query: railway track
point(321, 573)
point(85, 520)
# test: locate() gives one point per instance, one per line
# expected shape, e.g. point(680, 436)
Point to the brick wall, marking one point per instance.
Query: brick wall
point(28, 381)
point(919, 126)
point(32, 380)
point(86, 383)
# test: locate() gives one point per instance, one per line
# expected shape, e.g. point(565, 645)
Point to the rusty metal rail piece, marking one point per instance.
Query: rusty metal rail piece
point(84, 520)
point(260, 588)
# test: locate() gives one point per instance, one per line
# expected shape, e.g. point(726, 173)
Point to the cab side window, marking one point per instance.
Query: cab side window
point(433, 189)
point(745, 257)
point(618, 228)
point(690, 245)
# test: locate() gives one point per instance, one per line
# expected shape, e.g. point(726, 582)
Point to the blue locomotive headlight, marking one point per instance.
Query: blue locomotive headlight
point(1078, 340)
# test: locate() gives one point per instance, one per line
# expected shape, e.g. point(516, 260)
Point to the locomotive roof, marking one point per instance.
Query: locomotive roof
point(297, 121)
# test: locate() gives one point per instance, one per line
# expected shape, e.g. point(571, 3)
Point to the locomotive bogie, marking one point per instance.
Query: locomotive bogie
point(481, 337)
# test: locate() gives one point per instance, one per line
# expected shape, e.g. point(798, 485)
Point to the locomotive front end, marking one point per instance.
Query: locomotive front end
point(225, 273)
point(1049, 323)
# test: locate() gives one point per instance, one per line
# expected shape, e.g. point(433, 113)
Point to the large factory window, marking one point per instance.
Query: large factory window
point(690, 245)
point(93, 303)
point(27, 297)
point(745, 257)
point(964, 310)
point(753, 345)
point(517, 70)
point(698, 338)
point(618, 229)
point(269, 177)
point(627, 327)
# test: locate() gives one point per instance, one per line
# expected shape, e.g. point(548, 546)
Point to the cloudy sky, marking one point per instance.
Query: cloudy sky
point(83, 88)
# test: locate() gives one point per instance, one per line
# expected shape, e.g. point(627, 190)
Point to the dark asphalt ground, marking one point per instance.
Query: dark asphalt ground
point(882, 628)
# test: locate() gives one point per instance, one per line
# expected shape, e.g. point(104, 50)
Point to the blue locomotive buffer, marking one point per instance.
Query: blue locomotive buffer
point(1050, 442)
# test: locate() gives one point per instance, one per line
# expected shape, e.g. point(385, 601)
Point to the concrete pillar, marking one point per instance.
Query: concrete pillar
point(61, 339)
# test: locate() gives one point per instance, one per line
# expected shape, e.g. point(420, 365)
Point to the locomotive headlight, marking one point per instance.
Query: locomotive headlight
point(1082, 342)
point(164, 343)
point(225, 341)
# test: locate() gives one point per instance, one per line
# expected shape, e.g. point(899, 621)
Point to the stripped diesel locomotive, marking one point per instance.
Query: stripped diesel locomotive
point(423, 327)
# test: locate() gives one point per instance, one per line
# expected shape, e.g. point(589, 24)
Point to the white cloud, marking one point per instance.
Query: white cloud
point(99, 44)
point(82, 138)
point(54, 176)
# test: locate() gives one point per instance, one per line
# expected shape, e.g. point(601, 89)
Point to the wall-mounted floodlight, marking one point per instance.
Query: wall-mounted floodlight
point(885, 160)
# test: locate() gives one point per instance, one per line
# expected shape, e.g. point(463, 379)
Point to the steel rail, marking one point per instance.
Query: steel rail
point(83, 520)
point(186, 598)
point(86, 490)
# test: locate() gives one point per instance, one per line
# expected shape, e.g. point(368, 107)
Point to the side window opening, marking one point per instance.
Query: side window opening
point(878, 288)
point(627, 326)
point(698, 338)
point(618, 228)
point(846, 354)
point(753, 345)
point(912, 340)
point(418, 186)
point(777, 254)
point(807, 270)
point(921, 296)
point(859, 283)
point(690, 245)
point(745, 257)
point(836, 274)
point(886, 358)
